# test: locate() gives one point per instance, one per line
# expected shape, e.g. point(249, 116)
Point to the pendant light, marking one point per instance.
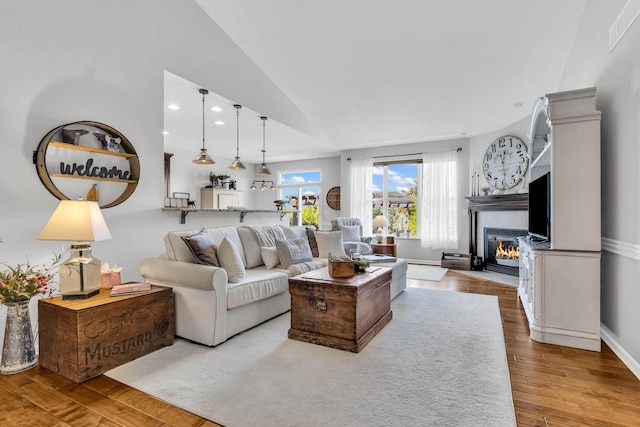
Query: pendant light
point(203, 158)
point(264, 170)
point(237, 164)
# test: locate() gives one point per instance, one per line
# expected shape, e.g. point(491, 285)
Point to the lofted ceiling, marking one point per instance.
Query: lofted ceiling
point(371, 73)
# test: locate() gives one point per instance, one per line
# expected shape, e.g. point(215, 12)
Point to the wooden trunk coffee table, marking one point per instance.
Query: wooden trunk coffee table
point(340, 313)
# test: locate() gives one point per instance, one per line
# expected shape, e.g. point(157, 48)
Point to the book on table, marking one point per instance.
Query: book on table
point(379, 258)
point(129, 288)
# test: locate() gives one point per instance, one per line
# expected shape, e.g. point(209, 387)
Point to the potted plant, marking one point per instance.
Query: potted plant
point(18, 284)
point(361, 264)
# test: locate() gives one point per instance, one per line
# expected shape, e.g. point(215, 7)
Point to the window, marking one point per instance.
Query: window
point(302, 189)
point(395, 193)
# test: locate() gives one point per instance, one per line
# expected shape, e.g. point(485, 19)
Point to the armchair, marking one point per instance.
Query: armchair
point(352, 234)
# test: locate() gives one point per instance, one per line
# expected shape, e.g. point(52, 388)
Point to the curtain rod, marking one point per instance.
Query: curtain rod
point(458, 149)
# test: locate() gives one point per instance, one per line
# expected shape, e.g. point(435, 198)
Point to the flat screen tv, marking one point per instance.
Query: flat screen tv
point(540, 207)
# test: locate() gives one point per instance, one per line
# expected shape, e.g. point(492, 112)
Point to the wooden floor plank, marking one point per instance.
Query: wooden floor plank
point(552, 386)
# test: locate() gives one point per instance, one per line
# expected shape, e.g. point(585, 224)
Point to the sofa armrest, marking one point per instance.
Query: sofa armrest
point(359, 247)
point(366, 239)
point(177, 273)
point(200, 295)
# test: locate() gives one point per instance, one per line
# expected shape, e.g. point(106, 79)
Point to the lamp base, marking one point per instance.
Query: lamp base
point(80, 294)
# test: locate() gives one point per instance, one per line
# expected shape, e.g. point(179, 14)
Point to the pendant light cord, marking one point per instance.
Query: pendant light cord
point(238, 107)
point(264, 126)
point(203, 120)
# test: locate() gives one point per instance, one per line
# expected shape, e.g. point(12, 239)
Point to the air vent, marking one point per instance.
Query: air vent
point(629, 13)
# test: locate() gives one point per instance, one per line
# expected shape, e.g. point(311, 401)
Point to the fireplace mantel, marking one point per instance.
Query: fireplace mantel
point(499, 202)
point(496, 202)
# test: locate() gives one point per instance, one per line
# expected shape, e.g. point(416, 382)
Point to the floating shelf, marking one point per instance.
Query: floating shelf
point(185, 211)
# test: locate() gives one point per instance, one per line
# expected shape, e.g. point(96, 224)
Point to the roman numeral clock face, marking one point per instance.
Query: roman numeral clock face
point(505, 162)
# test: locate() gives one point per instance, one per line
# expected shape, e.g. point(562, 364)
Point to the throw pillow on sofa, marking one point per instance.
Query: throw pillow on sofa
point(312, 242)
point(350, 233)
point(293, 251)
point(230, 260)
point(330, 242)
point(270, 257)
point(202, 247)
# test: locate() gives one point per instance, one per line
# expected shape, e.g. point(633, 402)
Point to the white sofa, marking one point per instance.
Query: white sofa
point(208, 308)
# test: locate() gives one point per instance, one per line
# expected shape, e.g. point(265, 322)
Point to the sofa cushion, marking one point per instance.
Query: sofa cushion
point(251, 248)
point(258, 284)
point(293, 251)
point(202, 247)
point(330, 242)
point(304, 267)
point(256, 236)
point(270, 257)
point(311, 236)
point(230, 260)
point(295, 232)
point(350, 233)
point(177, 249)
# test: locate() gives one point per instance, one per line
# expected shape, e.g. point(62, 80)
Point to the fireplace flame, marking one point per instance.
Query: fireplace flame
point(510, 252)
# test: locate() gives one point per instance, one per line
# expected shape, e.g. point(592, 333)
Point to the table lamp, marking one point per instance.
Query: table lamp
point(80, 221)
point(379, 222)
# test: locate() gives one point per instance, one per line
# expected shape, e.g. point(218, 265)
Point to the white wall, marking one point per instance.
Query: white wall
point(94, 60)
point(616, 74)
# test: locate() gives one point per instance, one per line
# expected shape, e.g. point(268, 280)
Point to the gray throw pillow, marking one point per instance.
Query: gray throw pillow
point(293, 251)
point(202, 247)
point(350, 233)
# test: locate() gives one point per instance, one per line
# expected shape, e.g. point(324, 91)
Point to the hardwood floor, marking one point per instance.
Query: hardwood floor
point(554, 385)
point(551, 385)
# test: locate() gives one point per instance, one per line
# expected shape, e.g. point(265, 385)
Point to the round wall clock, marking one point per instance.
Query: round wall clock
point(505, 162)
point(333, 198)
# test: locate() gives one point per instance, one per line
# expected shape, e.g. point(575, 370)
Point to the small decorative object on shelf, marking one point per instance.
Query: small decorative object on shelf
point(218, 181)
point(280, 204)
point(17, 286)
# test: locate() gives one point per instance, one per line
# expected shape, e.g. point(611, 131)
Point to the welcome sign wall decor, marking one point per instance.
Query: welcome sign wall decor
point(75, 158)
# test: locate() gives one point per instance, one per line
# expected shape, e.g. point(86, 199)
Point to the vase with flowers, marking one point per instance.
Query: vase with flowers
point(18, 284)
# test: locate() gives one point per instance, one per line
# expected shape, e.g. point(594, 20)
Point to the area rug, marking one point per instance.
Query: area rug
point(426, 272)
point(441, 361)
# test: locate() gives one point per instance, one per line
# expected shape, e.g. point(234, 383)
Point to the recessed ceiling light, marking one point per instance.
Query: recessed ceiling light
point(517, 105)
point(164, 132)
point(216, 109)
point(219, 122)
point(173, 107)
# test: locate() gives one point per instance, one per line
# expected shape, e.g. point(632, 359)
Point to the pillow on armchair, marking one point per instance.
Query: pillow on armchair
point(352, 230)
point(350, 233)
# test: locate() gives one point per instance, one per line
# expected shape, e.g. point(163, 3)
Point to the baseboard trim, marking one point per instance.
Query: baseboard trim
point(626, 358)
point(629, 250)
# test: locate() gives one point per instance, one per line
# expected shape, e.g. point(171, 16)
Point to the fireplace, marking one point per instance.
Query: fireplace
point(502, 250)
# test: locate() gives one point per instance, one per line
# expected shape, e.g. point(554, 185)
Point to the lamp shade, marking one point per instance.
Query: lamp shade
point(76, 220)
point(203, 158)
point(380, 221)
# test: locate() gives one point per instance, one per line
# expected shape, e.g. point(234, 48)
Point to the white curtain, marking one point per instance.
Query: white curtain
point(439, 204)
point(361, 174)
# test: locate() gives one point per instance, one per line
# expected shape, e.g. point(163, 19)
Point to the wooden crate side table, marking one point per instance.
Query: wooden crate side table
point(384, 248)
point(344, 313)
point(81, 339)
